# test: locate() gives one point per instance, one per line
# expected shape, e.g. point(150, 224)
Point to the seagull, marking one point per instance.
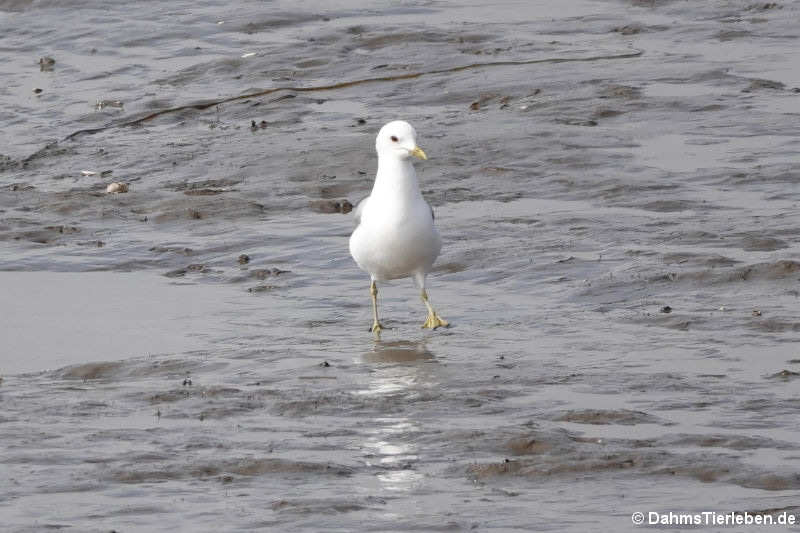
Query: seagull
point(395, 236)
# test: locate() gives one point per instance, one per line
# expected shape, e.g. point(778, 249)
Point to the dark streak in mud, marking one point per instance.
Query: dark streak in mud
point(202, 106)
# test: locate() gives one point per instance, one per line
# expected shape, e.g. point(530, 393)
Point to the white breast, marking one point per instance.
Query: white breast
point(395, 239)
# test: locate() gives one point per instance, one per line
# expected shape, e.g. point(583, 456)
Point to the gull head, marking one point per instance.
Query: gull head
point(398, 139)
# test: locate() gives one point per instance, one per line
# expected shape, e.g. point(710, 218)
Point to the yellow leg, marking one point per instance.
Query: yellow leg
point(433, 321)
point(376, 326)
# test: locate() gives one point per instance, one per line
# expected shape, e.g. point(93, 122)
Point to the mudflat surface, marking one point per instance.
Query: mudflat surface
point(54, 319)
point(616, 185)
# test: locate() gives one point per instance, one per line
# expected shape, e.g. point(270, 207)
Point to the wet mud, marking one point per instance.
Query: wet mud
point(616, 184)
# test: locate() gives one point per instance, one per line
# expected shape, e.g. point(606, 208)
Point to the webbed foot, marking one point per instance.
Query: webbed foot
point(376, 329)
point(435, 321)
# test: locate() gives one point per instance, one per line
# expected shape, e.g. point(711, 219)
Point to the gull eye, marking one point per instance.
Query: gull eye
point(393, 138)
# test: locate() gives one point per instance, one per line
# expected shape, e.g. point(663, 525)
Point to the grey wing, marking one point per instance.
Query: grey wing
point(358, 210)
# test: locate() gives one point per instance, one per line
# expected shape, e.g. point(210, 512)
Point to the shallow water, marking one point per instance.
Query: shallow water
point(616, 185)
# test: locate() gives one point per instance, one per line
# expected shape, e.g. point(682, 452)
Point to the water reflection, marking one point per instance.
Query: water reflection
point(402, 371)
point(398, 352)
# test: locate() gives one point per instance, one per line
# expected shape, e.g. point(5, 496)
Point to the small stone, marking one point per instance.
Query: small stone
point(331, 206)
point(764, 84)
point(117, 187)
point(102, 104)
point(627, 30)
point(261, 288)
point(325, 364)
point(46, 63)
point(244, 259)
point(37, 90)
point(666, 309)
point(785, 375)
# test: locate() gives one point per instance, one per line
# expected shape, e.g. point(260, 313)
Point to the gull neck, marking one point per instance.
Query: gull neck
point(395, 177)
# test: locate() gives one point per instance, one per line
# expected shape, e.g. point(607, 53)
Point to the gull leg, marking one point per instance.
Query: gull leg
point(376, 326)
point(433, 321)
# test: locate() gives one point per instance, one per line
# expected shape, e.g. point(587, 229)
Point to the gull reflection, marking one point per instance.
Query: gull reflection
point(398, 352)
point(401, 372)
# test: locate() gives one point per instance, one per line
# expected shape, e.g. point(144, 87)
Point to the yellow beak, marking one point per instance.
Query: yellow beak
point(417, 151)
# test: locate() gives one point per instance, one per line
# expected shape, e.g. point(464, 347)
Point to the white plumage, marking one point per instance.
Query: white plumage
point(395, 236)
